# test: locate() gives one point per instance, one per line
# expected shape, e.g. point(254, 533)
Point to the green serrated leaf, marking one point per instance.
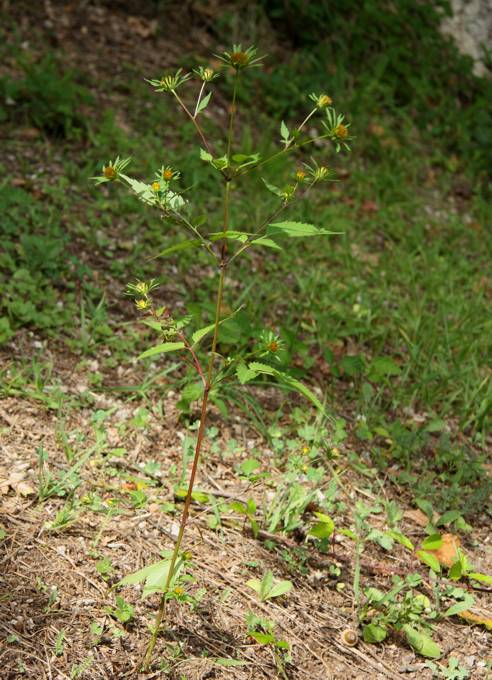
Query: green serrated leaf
point(203, 103)
point(273, 189)
point(448, 517)
point(284, 131)
point(178, 247)
point(245, 374)
point(263, 638)
point(297, 229)
point(266, 242)
point(160, 349)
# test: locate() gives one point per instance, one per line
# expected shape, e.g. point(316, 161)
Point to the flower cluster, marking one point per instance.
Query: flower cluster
point(140, 290)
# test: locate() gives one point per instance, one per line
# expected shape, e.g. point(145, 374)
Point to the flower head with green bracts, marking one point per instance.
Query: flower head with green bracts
point(112, 171)
point(321, 100)
point(170, 83)
point(240, 58)
point(206, 73)
point(337, 130)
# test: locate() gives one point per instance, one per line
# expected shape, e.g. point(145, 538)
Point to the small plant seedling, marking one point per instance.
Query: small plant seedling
point(237, 236)
point(123, 612)
point(104, 568)
point(60, 643)
point(262, 630)
point(410, 614)
point(267, 589)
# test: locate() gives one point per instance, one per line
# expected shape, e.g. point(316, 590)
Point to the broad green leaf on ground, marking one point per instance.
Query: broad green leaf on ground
point(154, 576)
point(374, 633)
point(324, 528)
point(461, 606)
point(400, 538)
point(483, 578)
point(422, 643)
point(430, 560)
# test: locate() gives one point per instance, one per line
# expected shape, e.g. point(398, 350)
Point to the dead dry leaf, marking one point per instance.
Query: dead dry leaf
point(416, 516)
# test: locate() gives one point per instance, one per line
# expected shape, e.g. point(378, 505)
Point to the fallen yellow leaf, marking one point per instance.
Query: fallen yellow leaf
point(477, 619)
point(447, 554)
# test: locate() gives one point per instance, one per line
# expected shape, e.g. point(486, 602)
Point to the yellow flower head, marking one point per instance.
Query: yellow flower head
point(156, 186)
point(109, 172)
point(239, 59)
point(168, 174)
point(323, 101)
point(341, 131)
point(179, 591)
point(272, 346)
point(142, 305)
point(300, 175)
point(208, 74)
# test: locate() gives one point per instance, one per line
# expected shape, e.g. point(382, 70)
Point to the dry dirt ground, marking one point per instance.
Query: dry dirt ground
point(50, 581)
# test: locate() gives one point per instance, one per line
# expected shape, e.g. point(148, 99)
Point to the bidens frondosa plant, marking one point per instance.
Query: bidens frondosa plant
point(199, 347)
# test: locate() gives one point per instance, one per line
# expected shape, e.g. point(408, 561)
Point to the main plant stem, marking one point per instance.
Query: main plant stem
point(206, 380)
point(198, 447)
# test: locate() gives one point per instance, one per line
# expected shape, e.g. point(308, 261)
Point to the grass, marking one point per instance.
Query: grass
point(391, 317)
